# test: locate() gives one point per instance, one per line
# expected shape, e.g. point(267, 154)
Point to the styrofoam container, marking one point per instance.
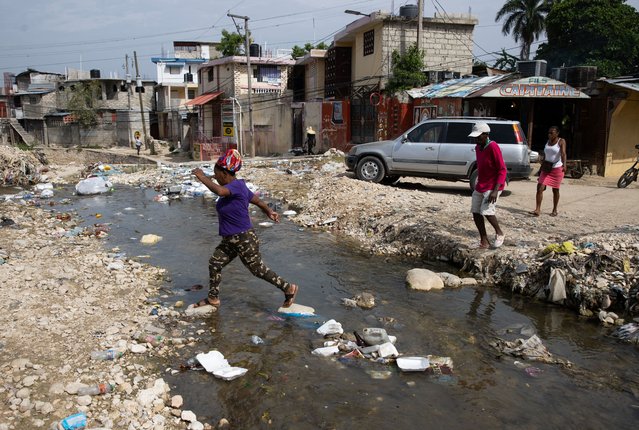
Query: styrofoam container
point(230, 373)
point(212, 361)
point(326, 351)
point(387, 350)
point(413, 364)
point(330, 327)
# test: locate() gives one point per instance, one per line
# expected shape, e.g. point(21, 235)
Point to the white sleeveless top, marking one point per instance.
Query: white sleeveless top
point(552, 153)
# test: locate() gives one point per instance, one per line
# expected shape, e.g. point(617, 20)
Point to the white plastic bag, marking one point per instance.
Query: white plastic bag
point(93, 185)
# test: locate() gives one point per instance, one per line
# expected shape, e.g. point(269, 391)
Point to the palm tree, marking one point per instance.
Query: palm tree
point(526, 20)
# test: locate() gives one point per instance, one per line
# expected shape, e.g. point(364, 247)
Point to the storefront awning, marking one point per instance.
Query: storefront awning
point(203, 99)
point(539, 87)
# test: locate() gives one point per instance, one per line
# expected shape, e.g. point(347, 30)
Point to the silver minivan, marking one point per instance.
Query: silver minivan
point(439, 148)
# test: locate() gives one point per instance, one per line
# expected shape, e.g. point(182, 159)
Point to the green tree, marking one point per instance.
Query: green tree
point(300, 52)
point(601, 33)
point(231, 44)
point(525, 20)
point(407, 70)
point(84, 101)
point(506, 62)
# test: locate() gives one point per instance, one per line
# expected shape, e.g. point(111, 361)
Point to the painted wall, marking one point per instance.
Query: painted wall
point(624, 129)
point(336, 131)
point(368, 65)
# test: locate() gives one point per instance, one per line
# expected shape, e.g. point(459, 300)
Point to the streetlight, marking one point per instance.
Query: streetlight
point(354, 12)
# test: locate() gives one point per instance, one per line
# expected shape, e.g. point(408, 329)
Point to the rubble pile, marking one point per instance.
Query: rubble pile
point(19, 167)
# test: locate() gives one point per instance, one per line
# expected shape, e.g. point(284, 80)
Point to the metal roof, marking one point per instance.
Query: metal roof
point(629, 83)
point(455, 87)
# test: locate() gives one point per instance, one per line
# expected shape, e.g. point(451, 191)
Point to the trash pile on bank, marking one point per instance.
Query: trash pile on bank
point(21, 168)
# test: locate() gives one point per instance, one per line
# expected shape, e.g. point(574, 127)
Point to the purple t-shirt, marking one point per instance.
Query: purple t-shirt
point(232, 211)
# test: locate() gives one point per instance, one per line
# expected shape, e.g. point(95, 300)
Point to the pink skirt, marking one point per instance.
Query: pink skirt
point(553, 178)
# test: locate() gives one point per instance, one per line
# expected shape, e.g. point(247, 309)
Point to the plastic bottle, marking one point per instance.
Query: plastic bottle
point(153, 339)
point(95, 390)
point(109, 354)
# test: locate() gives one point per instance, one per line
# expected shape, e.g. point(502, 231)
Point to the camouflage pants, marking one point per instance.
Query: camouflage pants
point(246, 246)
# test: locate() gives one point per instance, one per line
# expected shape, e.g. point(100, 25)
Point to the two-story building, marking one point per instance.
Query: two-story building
point(177, 83)
point(223, 104)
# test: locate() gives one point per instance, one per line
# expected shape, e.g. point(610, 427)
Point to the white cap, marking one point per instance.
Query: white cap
point(479, 128)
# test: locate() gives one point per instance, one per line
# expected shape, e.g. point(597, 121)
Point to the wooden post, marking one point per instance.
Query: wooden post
point(138, 80)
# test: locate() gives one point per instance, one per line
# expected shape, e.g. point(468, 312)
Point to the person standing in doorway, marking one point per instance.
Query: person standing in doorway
point(138, 144)
point(552, 171)
point(491, 180)
point(310, 139)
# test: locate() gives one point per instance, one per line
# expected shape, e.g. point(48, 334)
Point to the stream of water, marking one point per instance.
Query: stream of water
point(288, 388)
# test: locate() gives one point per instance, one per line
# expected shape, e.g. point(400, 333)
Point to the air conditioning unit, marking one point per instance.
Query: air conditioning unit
point(188, 77)
point(579, 76)
point(559, 74)
point(532, 68)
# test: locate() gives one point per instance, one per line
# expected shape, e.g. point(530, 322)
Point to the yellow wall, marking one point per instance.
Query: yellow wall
point(623, 136)
point(368, 65)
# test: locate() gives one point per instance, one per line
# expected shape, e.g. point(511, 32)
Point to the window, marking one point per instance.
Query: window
point(458, 132)
point(173, 70)
point(429, 133)
point(267, 73)
point(210, 74)
point(369, 42)
point(191, 94)
point(503, 133)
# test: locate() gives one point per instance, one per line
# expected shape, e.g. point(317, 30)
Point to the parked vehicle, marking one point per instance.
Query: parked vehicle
point(439, 148)
point(629, 175)
point(533, 156)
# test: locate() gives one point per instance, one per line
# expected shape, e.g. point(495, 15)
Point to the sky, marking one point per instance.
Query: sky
point(50, 35)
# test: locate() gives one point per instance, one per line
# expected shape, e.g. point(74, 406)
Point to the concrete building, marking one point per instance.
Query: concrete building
point(223, 101)
point(178, 82)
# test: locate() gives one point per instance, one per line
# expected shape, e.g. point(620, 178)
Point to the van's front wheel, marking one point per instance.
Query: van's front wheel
point(370, 169)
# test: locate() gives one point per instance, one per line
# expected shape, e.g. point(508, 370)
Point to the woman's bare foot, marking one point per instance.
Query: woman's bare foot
point(207, 302)
point(289, 295)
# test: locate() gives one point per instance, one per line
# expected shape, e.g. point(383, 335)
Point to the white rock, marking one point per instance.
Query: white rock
point(199, 311)
point(196, 426)
point(146, 397)
point(23, 393)
point(150, 239)
point(423, 280)
point(450, 280)
point(468, 282)
point(28, 381)
point(84, 400)
point(177, 401)
point(188, 416)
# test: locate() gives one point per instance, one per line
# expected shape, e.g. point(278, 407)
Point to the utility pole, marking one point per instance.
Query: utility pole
point(139, 89)
point(250, 78)
point(420, 21)
point(128, 80)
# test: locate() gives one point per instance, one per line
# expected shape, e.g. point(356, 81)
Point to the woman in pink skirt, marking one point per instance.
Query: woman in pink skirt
point(552, 171)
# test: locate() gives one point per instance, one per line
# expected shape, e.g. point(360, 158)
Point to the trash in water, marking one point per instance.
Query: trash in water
point(150, 239)
point(266, 224)
point(93, 185)
point(297, 310)
point(387, 350)
point(374, 336)
point(215, 363)
point(229, 373)
point(330, 327)
point(534, 372)
point(256, 340)
point(289, 213)
point(379, 374)
point(440, 365)
point(326, 351)
point(413, 364)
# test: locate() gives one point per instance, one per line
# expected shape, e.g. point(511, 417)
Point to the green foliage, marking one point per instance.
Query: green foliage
point(231, 44)
point(506, 62)
point(84, 101)
point(602, 33)
point(300, 52)
point(525, 20)
point(407, 70)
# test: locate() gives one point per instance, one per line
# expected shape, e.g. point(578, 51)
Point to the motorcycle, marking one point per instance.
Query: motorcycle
point(629, 175)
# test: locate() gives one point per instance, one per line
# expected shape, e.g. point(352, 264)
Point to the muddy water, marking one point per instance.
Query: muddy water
point(288, 388)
